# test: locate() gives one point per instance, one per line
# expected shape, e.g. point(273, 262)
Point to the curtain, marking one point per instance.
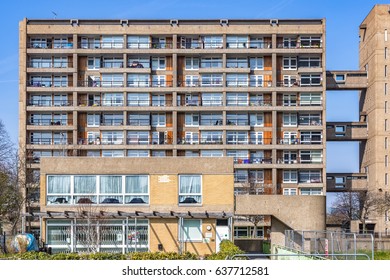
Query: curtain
point(137, 184)
point(190, 184)
point(84, 184)
point(58, 184)
point(110, 184)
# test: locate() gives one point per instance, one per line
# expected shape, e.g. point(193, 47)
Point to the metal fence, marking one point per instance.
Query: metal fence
point(331, 243)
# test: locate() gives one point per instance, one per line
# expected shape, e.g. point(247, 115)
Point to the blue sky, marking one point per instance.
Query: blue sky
point(342, 21)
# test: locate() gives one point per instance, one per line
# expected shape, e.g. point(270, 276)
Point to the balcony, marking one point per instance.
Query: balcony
point(49, 65)
point(249, 141)
point(346, 131)
point(153, 45)
point(112, 122)
point(248, 187)
point(258, 160)
point(47, 84)
point(300, 160)
point(147, 102)
point(299, 83)
point(293, 102)
point(296, 141)
point(196, 83)
point(346, 80)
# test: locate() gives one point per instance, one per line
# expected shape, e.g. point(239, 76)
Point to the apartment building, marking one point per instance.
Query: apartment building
point(252, 90)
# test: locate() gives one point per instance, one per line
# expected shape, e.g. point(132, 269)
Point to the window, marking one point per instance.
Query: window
point(237, 137)
point(237, 42)
point(138, 80)
point(212, 42)
point(137, 189)
point(289, 81)
point(138, 119)
point(211, 153)
point(158, 119)
point(112, 42)
point(310, 119)
point(191, 119)
point(93, 153)
point(256, 63)
point(237, 99)
point(289, 191)
point(191, 154)
point(256, 137)
point(309, 62)
point(257, 43)
point(385, 107)
point(112, 80)
point(112, 137)
point(112, 153)
point(289, 63)
point(385, 88)
point(190, 189)
point(40, 62)
point(256, 81)
point(311, 137)
point(137, 153)
point(289, 100)
point(192, 63)
point(211, 119)
point(239, 156)
point(58, 189)
point(40, 100)
point(112, 62)
point(289, 119)
point(313, 156)
point(248, 232)
point(158, 100)
point(340, 182)
point(212, 80)
point(191, 137)
point(237, 62)
point(138, 137)
point(138, 99)
point(386, 161)
point(159, 81)
point(310, 99)
point(138, 42)
point(237, 80)
point(256, 119)
point(256, 176)
point(385, 143)
point(290, 176)
point(112, 99)
point(289, 157)
point(60, 43)
point(311, 191)
point(138, 62)
point(93, 120)
point(385, 35)
point(385, 124)
point(158, 63)
point(311, 80)
point(192, 230)
point(240, 176)
point(211, 62)
point(386, 179)
point(60, 81)
point(211, 99)
point(289, 42)
point(310, 176)
point(192, 81)
point(112, 119)
point(211, 137)
point(311, 41)
point(85, 188)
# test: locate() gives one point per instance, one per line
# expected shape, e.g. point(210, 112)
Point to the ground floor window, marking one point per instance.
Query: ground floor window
point(248, 232)
point(117, 236)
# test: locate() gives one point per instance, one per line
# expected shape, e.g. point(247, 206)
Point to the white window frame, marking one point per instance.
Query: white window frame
point(159, 63)
point(290, 119)
point(290, 177)
point(256, 63)
point(290, 191)
point(185, 237)
point(192, 63)
point(290, 63)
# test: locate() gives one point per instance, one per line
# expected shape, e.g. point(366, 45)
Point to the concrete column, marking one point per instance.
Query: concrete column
point(274, 41)
point(174, 127)
point(174, 70)
point(274, 128)
point(274, 173)
point(75, 41)
point(75, 67)
point(274, 70)
point(174, 41)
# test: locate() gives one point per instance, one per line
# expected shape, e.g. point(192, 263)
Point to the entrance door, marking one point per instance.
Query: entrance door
point(222, 232)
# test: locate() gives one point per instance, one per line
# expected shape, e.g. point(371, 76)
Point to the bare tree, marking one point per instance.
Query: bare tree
point(350, 206)
point(7, 150)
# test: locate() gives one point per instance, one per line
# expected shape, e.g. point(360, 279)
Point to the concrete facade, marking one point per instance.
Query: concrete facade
point(253, 90)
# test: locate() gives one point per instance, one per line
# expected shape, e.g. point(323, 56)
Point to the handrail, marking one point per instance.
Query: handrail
point(323, 256)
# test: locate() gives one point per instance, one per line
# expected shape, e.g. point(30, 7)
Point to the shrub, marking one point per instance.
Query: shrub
point(227, 249)
point(162, 256)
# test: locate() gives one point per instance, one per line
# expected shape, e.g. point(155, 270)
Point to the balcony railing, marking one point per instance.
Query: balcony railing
point(152, 45)
point(40, 64)
point(208, 140)
point(148, 141)
point(216, 83)
point(47, 84)
point(249, 186)
point(50, 122)
point(112, 122)
point(298, 45)
point(108, 64)
point(48, 141)
point(288, 141)
point(149, 102)
point(300, 160)
point(90, 83)
point(298, 84)
point(248, 141)
point(49, 103)
point(237, 122)
point(145, 122)
point(298, 102)
point(101, 45)
point(258, 160)
point(49, 45)
point(310, 121)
